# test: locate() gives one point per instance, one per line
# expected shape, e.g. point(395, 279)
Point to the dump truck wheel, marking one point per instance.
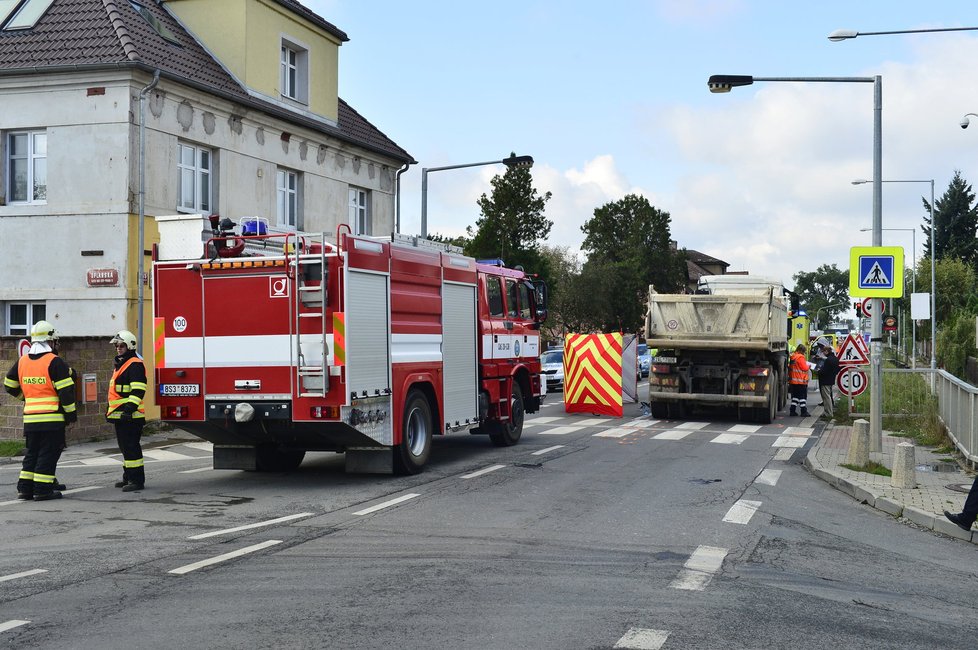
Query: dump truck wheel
point(412, 453)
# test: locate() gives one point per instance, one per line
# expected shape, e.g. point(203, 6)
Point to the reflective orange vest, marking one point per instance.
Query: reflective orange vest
point(119, 394)
point(41, 401)
point(798, 369)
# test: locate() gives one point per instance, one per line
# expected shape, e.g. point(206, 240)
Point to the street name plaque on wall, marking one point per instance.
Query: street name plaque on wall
point(103, 277)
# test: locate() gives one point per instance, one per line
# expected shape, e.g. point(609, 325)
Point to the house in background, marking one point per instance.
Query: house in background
point(699, 264)
point(241, 116)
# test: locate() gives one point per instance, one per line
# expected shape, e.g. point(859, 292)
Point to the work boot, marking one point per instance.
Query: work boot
point(958, 520)
point(132, 487)
point(805, 413)
point(792, 413)
point(58, 486)
point(123, 483)
point(47, 496)
point(26, 496)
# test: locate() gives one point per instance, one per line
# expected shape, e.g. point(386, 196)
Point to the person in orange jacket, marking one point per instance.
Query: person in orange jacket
point(43, 380)
point(798, 368)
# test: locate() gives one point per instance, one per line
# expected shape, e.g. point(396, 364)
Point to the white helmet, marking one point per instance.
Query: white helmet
point(43, 331)
point(126, 337)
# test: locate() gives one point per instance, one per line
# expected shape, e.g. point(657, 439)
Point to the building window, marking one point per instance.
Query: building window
point(294, 75)
point(287, 186)
point(360, 220)
point(194, 167)
point(22, 315)
point(27, 165)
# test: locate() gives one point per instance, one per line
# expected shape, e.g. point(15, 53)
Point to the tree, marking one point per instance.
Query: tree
point(628, 247)
point(957, 223)
point(512, 223)
point(825, 289)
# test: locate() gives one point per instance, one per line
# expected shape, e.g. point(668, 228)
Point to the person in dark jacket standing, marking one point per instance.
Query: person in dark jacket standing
point(827, 373)
point(126, 411)
point(43, 381)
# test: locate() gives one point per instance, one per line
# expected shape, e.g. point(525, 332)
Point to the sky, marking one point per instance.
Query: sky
point(611, 98)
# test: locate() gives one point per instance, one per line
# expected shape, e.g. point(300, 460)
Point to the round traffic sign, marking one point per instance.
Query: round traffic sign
point(851, 382)
point(872, 304)
point(23, 346)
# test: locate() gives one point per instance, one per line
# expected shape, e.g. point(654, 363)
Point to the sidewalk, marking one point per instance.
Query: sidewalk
point(923, 505)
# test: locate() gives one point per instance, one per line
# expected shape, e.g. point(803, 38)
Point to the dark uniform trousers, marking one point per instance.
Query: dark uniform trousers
point(43, 452)
point(127, 434)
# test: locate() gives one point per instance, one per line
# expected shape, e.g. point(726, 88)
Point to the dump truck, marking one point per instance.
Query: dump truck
point(725, 345)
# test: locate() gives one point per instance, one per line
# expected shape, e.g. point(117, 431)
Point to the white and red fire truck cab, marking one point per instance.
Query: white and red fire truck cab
point(272, 344)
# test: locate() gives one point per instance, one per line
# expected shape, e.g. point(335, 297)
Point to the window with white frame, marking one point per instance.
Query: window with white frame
point(294, 75)
point(360, 218)
point(287, 187)
point(194, 172)
point(27, 167)
point(21, 316)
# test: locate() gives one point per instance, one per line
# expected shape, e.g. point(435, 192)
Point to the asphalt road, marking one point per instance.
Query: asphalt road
point(591, 533)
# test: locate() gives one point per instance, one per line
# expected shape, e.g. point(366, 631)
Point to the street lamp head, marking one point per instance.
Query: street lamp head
point(843, 35)
point(860, 181)
point(518, 161)
point(965, 121)
point(722, 83)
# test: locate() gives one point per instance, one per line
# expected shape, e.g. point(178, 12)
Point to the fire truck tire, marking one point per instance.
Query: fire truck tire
point(507, 434)
point(272, 458)
point(412, 453)
point(658, 410)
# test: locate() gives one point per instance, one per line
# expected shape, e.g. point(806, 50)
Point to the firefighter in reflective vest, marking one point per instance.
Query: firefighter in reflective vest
point(798, 368)
point(126, 411)
point(43, 381)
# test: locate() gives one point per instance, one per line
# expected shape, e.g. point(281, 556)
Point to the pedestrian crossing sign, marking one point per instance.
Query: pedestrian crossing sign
point(876, 271)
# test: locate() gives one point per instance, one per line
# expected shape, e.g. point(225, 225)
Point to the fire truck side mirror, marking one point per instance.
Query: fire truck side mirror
point(540, 296)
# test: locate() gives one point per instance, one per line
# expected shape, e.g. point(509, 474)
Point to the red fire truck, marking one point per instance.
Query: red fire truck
point(273, 344)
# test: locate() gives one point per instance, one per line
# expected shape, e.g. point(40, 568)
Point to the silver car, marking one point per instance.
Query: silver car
point(552, 364)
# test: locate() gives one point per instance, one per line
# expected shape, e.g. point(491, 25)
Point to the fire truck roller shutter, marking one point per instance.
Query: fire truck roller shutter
point(368, 335)
point(460, 350)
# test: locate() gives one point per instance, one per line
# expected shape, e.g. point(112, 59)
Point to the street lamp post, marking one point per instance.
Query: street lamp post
point(821, 309)
point(913, 237)
point(723, 84)
point(846, 34)
point(933, 283)
point(512, 161)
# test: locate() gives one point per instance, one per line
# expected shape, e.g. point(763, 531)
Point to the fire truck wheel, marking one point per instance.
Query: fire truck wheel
point(507, 434)
point(272, 458)
point(412, 453)
point(658, 410)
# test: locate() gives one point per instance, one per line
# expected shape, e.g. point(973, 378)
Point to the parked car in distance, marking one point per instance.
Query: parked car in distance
point(552, 365)
point(644, 360)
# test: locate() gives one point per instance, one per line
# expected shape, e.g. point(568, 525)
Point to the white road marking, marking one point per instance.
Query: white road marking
point(784, 453)
point(614, 433)
point(547, 450)
point(204, 446)
point(560, 431)
point(163, 454)
point(22, 574)
point(82, 489)
point(491, 468)
point(744, 428)
point(194, 471)
point(672, 434)
point(187, 568)
point(9, 625)
point(99, 461)
point(12, 502)
point(386, 504)
point(741, 512)
point(797, 431)
point(639, 638)
point(730, 439)
point(699, 568)
point(545, 419)
point(642, 424)
point(768, 477)
point(790, 441)
point(591, 422)
point(270, 522)
point(691, 426)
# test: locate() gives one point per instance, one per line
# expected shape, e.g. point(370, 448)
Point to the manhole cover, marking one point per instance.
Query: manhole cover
point(959, 487)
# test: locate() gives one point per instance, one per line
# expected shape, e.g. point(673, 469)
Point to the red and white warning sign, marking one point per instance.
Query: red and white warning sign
point(853, 351)
point(871, 305)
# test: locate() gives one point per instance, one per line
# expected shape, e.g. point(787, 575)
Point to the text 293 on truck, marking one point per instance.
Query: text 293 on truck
point(271, 344)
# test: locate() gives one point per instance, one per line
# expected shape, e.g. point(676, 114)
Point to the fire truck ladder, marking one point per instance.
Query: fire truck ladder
point(312, 374)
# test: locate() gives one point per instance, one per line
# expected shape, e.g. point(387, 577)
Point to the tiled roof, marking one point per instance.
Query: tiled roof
point(703, 258)
point(74, 34)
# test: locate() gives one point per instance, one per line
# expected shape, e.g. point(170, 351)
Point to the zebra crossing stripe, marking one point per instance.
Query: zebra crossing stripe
point(730, 439)
point(741, 512)
point(795, 442)
point(163, 454)
point(620, 432)
point(699, 568)
point(768, 477)
point(560, 431)
point(638, 638)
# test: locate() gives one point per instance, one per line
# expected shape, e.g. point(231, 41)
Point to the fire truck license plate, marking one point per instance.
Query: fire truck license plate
point(181, 390)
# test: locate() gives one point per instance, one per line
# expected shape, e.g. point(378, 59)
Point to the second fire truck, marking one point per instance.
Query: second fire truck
point(271, 345)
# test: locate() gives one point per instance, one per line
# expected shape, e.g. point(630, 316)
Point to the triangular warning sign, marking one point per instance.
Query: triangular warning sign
point(876, 277)
point(852, 353)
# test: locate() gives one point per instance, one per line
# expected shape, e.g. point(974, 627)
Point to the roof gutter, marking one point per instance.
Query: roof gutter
point(397, 195)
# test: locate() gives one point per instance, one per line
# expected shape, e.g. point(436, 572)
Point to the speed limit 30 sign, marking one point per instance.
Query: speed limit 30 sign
point(851, 382)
